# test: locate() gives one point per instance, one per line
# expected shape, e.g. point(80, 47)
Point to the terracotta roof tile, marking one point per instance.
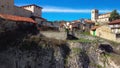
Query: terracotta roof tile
point(75, 25)
point(76, 21)
point(43, 19)
point(95, 27)
point(115, 22)
point(105, 13)
point(16, 18)
point(89, 21)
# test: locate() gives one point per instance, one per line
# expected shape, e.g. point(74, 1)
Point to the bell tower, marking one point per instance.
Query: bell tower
point(7, 6)
point(94, 14)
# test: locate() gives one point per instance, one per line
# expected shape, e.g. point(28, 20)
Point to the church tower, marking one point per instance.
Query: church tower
point(94, 14)
point(7, 6)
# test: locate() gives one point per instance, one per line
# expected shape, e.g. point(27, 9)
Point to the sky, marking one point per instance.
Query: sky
point(55, 10)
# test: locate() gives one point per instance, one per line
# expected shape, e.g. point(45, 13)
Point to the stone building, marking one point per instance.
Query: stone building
point(115, 27)
point(29, 15)
point(36, 10)
point(100, 18)
point(22, 12)
point(7, 6)
point(111, 31)
point(88, 24)
point(16, 23)
point(83, 24)
point(32, 11)
point(107, 33)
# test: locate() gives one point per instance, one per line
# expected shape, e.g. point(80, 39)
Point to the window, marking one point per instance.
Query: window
point(111, 26)
point(119, 30)
point(116, 25)
point(117, 35)
point(116, 31)
point(2, 6)
point(112, 31)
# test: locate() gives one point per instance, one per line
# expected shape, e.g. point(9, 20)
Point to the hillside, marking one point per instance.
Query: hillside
point(20, 50)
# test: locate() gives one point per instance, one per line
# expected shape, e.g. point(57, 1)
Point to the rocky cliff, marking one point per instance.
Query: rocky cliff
point(41, 52)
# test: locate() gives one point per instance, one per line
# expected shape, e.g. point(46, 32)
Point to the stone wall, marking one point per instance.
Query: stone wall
point(38, 20)
point(7, 6)
point(22, 12)
point(36, 11)
point(91, 32)
point(7, 25)
point(103, 20)
point(106, 33)
point(56, 35)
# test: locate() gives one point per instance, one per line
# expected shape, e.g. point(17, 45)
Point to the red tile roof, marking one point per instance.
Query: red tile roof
point(16, 18)
point(76, 21)
point(62, 24)
point(89, 21)
point(39, 18)
point(115, 22)
point(94, 28)
point(74, 25)
point(105, 13)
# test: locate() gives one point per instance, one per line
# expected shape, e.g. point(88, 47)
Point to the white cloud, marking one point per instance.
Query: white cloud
point(71, 10)
point(65, 10)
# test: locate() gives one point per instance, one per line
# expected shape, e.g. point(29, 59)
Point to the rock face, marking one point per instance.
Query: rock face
point(41, 58)
point(78, 57)
point(89, 55)
point(69, 55)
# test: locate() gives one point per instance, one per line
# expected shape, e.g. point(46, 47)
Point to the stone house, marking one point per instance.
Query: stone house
point(83, 25)
point(88, 24)
point(7, 6)
point(110, 31)
point(29, 11)
point(76, 24)
point(12, 22)
point(36, 12)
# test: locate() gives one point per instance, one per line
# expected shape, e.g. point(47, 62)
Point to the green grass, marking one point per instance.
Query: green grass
point(84, 40)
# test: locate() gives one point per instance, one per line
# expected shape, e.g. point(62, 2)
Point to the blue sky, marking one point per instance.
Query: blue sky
point(71, 9)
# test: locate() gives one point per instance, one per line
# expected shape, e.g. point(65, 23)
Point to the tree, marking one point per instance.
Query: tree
point(114, 15)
